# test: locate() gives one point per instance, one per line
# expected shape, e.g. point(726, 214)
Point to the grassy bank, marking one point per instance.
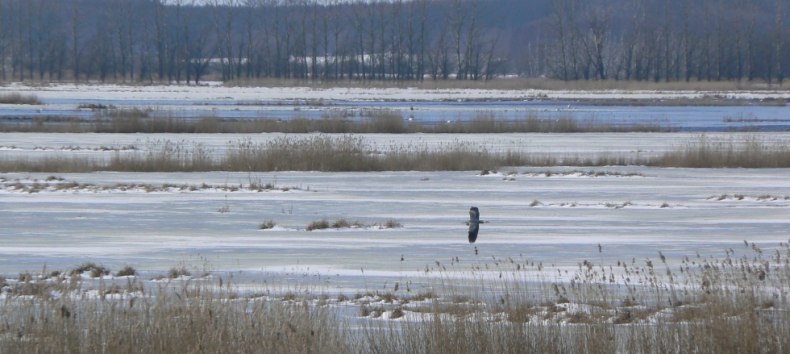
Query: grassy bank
point(701, 304)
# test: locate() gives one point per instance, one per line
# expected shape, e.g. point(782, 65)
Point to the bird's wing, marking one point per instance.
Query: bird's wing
point(474, 214)
point(473, 229)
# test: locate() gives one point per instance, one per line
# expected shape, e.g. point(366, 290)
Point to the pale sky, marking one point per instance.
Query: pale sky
point(203, 2)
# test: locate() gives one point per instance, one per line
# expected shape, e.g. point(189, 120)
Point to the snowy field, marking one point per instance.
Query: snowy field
point(211, 91)
point(555, 216)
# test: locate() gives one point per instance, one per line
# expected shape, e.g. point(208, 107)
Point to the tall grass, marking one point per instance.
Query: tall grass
point(137, 120)
point(705, 152)
point(489, 123)
point(701, 304)
point(165, 156)
point(71, 164)
point(353, 153)
point(308, 153)
point(187, 319)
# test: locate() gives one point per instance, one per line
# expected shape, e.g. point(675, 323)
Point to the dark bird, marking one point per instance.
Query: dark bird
point(474, 223)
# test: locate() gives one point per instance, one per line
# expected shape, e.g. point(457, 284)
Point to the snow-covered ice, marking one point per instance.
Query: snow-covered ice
point(557, 216)
point(425, 106)
point(669, 210)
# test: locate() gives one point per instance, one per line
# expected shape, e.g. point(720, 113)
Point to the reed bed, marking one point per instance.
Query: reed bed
point(318, 152)
point(187, 319)
point(136, 120)
point(736, 303)
point(308, 153)
point(705, 152)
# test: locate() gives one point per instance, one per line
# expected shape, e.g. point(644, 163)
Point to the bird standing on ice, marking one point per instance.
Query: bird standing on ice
point(474, 223)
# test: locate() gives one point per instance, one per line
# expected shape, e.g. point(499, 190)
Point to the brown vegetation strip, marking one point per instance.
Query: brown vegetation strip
point(354, 153)
point(376, 121)
point(710, 153)
point(18, 98)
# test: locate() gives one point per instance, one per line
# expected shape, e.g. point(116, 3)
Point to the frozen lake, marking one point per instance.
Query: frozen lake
point(422, 106)
point(555, 216)
point(558, 219)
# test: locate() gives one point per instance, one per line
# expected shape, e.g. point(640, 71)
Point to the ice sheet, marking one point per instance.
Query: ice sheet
point(675, 211)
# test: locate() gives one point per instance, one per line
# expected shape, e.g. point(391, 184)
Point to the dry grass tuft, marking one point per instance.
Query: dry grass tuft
point(94, 270)
point(126, 271)
point(345, 224)
point(318, 225)
point(177, 272)
point(267, 225)
point(18, 98)
point(391, 224)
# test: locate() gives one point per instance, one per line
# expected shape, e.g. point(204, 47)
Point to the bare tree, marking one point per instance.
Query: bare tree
point(420, 8)
point(748, 41)
point(223, 19)
point(666, 36)
point(457, 23)
point(688, 46)
point(598, 23)
point(5, 34)
point(439, 56)
point(474, 47)
point(564, 16)
point(778, 40)
point(161, 38)
point(185, 40)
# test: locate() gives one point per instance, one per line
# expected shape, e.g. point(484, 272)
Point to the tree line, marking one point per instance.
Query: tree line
point(666, 40)
point(320, 40)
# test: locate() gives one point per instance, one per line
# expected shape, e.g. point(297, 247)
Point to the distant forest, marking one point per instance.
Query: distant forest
point(156, 41)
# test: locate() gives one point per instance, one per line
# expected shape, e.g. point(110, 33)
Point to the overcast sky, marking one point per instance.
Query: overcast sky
point(203, 2)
